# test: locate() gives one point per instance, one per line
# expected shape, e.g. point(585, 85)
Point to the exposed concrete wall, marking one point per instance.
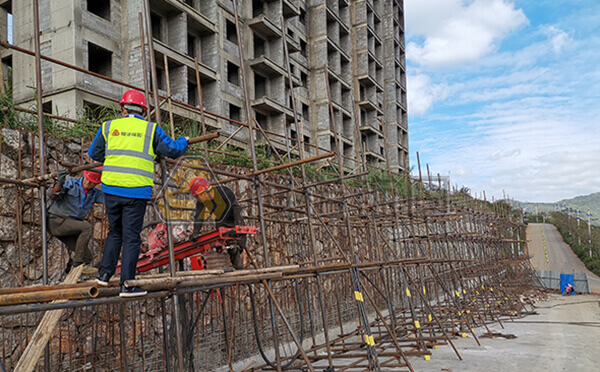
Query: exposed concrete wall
point(321, 35)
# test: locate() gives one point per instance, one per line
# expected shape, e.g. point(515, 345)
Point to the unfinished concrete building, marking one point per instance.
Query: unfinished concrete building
point(355, 46)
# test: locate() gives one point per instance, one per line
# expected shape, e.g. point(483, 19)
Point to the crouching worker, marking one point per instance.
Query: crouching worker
point(128, 147)
point(222, 201)
point(72, 200)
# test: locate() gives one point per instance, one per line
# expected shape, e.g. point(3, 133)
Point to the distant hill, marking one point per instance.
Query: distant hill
point(583, 203)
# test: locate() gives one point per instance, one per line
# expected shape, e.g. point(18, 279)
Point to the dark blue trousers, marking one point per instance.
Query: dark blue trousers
point(125, 220)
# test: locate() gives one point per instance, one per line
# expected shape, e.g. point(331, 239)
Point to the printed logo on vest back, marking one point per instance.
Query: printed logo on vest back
point(115, 133)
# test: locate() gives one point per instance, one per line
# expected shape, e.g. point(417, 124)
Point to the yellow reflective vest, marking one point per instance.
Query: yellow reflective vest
point(129, 154)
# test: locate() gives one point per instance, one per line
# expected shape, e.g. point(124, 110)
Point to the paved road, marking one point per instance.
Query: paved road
point(563, 336)
point(560, 256)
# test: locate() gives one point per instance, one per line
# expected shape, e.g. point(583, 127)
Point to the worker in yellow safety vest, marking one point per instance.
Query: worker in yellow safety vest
point(128, 147)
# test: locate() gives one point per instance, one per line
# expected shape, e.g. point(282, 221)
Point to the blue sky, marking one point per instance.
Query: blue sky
point(504, 95)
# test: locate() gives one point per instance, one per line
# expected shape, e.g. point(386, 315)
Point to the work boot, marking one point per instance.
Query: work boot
point(132, 292)
point(235, 255)
point(103, 279)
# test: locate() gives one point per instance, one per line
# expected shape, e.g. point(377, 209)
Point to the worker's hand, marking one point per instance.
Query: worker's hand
point(187, 138)
point(61, 177)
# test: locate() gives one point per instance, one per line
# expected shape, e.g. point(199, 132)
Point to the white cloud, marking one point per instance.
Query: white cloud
point(455, 31)
point(422, 93)
point(557, 38)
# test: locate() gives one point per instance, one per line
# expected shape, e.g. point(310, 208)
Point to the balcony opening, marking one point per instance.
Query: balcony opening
point(233, 73)
point(260, 86)
point(101, 8)
point(191, 46)
point(259, 46)
point(231, 32)
point(235, 112)
point(156, 21)
point(99, 60)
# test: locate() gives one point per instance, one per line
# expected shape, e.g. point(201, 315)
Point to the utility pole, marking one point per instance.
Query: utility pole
point(590, 231)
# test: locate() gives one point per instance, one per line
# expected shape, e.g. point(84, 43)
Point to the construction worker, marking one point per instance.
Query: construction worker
point(72, 200)
point(221, 199)
point(128, 147)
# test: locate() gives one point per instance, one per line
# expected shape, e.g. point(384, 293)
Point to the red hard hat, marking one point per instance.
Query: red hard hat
point(199, 185)
point(93, 177)
point(133, 97)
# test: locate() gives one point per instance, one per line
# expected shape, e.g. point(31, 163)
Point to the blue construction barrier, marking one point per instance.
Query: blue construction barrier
point(566, 279)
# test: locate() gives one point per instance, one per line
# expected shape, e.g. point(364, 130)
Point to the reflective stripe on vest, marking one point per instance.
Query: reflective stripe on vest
point(124, 164)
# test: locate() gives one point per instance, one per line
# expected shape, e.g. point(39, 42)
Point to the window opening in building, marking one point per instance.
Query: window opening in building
point(302, 17)
point(191, 46)
point(259, 46)
point(262, 120)
point(155, 19)
point(231, 32)
point(47, 107)
point(233, 73)
point(101, 8)
point(192, 93)
point(190, 2)
point(303, 47)
point(257, 8)
point(260, 86)
point(99, 60)
point(293, 134)
point(305, 112)
point(235, 112)
point(306, 143)
point(304, 78)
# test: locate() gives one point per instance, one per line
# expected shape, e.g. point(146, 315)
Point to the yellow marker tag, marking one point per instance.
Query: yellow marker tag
point(464, 335)
point(464, 291)
point(429, 317)
point(407, 292)
point(427, 357)
point(487, 305)
point(459, 313)
point(491, 289)
point(482, 286)
point(358, 296)
point(500, 285)
point(498, 302)
point(424, 290)
point(477, 292)
point(468, 311)
point(417, 324)
point(505, 298)
point(457, 294)
point(372, 340)
point(367, 340)
point(436, 347)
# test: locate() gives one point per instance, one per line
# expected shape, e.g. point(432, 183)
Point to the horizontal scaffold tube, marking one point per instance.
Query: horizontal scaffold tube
point(49, 295)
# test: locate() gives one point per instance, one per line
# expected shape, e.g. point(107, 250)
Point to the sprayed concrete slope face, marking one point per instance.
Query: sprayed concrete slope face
point(560, 256)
